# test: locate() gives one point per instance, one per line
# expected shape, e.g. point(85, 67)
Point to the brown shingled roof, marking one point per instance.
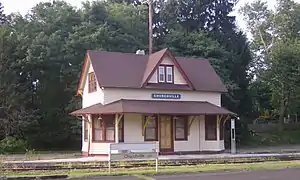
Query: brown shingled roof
point(154, 107)
point(129, 70)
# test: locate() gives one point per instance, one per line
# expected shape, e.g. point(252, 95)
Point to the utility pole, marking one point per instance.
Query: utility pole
point(150, 26)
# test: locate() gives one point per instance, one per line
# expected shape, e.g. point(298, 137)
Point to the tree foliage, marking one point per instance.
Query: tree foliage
point(3, 18)
point(42, 55)
point(276, 48)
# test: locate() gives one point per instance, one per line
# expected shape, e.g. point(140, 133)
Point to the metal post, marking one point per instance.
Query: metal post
point(233, 143)
point(109, 159)
point(156, 160)
point(156, 164)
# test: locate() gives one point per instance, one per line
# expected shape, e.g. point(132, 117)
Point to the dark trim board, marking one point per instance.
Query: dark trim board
point(169, 153)
point(86, 154)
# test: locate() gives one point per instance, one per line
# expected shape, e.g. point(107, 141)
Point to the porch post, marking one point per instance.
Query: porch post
point(218, 127)
point(90, 131)
point(116, 129)
point(118, 118)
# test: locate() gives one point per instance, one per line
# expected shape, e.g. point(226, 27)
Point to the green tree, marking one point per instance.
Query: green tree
point(274, 32)
point(284, 75)
point(213, 18)
point(3, 18)
point(42, 56)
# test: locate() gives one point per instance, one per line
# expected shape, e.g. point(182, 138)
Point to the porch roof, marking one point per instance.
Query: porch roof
point(154, 107)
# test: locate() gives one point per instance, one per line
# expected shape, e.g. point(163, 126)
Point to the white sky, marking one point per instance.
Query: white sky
point(23, 6)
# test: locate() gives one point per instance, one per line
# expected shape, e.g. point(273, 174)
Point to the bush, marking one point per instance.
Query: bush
point(273, 138)
point(12, 145)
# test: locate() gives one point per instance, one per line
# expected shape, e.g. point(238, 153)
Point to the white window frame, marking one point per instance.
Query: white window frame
point(169, 71)
point(161, 71)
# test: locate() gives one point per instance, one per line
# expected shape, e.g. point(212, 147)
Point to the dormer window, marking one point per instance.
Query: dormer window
point(169, 77)
point(161, 74)
point(165, 74)
point(92, 82)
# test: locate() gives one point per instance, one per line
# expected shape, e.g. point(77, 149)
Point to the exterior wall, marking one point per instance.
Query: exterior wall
point(89, 99)
point(194, 140)
point(99, 148)
point(114, 94)
point(210, 145)
point(133, 131)
point(95, 148)
point(133, 134)
point(84, 147)
point(178, 78)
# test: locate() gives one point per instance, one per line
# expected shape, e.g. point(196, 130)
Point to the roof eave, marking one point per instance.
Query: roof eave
point(80, 84)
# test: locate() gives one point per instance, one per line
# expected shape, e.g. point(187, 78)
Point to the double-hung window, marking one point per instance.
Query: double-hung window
point(181, 127)
point(165, 74)
point(92, 82)
point(161, 74)
point(151, 133)
point(104, 129)
point(211, 127)
point(85, 130)
point(169, 74)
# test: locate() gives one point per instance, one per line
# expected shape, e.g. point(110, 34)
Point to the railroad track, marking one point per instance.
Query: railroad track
point(135, 164)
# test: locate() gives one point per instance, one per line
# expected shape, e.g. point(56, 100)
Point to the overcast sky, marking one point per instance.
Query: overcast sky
point(23, 6)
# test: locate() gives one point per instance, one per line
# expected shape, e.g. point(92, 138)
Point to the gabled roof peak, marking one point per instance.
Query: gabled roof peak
point(153, 62)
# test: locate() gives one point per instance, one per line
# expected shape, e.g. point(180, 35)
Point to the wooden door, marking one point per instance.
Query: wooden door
point(166, 140)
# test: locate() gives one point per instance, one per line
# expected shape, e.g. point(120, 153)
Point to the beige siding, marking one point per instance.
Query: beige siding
point(133, 134)
point(133, 128)
point(153, 78)
point(209, 145)
point(114, 94)
point(193, 142)
point(89, 99)
point(84, 147)
point(84, 143)
point(178, 78)
point(196, 139)
point(99, 148)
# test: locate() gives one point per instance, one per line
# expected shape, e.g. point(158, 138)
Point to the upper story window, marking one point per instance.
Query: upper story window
point(169, 77)
point(165, 74)
point(161, 74)
point(92, 82)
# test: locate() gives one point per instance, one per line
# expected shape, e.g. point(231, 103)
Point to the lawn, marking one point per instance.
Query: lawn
point(41, 155)
point(163, 170)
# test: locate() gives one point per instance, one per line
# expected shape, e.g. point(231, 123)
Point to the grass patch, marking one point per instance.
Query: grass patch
point(40, 155)
point(163, 170)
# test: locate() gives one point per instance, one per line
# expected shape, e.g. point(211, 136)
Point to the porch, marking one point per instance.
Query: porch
point(179, 127)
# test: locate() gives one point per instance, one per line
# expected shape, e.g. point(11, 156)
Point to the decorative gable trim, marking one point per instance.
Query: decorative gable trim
point(152, 57)
point(82, 75)
point(170, 54)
